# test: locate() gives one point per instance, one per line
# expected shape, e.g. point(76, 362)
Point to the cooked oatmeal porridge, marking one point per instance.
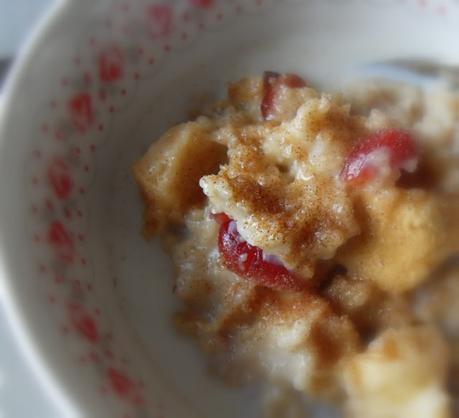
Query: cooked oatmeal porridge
point(313, 237)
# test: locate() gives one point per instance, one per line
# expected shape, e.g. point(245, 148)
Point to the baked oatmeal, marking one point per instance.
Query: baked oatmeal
point(314, 236)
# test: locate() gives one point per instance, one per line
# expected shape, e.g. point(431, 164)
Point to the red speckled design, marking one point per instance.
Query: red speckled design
point(128, 46)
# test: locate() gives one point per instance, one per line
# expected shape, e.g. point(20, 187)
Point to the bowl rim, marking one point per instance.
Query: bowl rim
point(26, 338)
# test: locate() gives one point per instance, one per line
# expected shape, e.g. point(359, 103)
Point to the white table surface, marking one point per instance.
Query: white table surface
point(21, 395)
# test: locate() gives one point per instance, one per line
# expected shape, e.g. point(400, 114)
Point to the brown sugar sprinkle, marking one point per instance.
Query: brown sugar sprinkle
point(279, 181)
point(327, 344)
point(330, 336)
point(260, 199)
point(390, 349)
point(245, 313)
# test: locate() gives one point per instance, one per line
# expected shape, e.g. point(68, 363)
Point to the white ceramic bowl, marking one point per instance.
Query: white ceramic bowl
point(90, 300)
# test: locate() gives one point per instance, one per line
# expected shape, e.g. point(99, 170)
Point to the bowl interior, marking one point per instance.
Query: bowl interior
point(95, 297)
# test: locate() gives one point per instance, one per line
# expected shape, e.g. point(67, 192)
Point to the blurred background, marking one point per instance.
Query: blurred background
point(21, 395)
point(17, 17)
